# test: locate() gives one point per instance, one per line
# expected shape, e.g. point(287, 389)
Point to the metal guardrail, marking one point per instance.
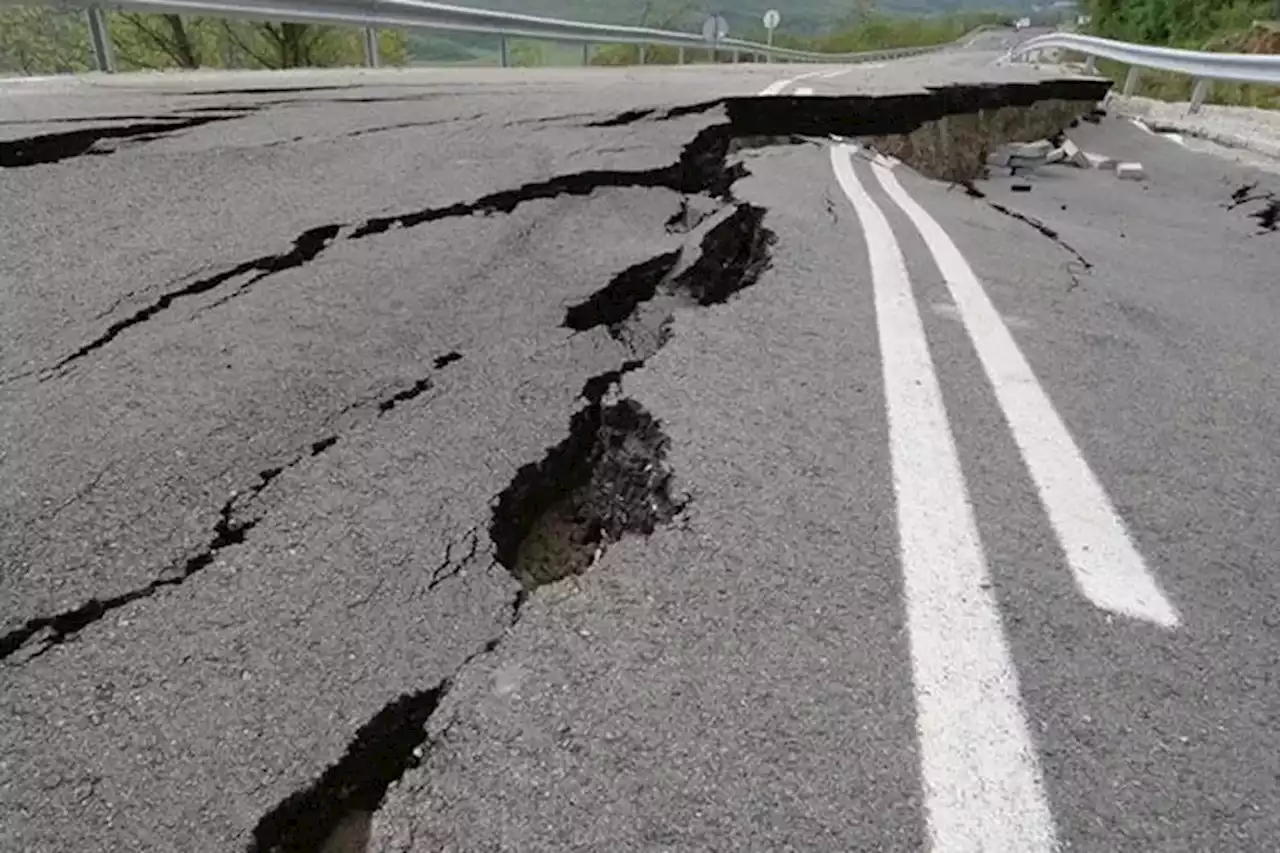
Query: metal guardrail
point(1204, 67)
point(423, 14)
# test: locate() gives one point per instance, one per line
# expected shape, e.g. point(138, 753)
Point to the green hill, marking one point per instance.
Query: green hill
point(802, 20)
point(799, 17)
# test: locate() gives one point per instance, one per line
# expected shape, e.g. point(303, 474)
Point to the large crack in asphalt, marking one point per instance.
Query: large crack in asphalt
point(689, 175)
point(697, 172)
point(54, 147)
point(608, 477)
point(342, 801)
point(305, 248)
point(235, 519)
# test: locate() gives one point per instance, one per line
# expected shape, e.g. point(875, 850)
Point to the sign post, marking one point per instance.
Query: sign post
point(714, 28)
point(771, 20)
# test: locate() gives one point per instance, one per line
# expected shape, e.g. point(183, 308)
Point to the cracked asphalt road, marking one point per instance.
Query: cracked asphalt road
point(267, 373)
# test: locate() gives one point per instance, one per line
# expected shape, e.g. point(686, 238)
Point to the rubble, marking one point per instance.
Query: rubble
point(1098, 161)
point(1130, 172)
point(1009, 159)
point(1072, 154)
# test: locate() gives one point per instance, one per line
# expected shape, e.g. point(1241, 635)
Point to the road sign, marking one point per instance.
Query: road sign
point(771, 21)
point(715, 28)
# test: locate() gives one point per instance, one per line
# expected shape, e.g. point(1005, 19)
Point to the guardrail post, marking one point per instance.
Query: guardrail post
point(502, 50)
point(1091, 65)
point(586, 55)
point(640, 54)
point(1131, 80)
point(735, 56)
point(1198, 94)
point(104, 58)
point(371, 58)
point(680, 56)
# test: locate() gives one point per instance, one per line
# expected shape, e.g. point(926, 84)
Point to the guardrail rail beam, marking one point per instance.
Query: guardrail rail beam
point(1202, 66)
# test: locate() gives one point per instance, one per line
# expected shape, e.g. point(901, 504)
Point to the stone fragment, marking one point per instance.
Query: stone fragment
point(1130, 172)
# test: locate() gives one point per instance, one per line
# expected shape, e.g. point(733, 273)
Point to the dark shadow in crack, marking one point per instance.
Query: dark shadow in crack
point(54, 147)
point(305, 248)
point(618, 300)
point(607, 478)
point(596, 387)
point(60, 628)
point(734, 255)
point(332, 815)
point(622, 118)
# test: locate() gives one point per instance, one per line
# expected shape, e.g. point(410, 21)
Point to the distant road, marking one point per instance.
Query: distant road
point(949, 511)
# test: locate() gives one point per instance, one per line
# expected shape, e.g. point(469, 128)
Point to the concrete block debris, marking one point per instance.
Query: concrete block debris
point(1072, 155)
point(1099, 161)
point(1130, 172)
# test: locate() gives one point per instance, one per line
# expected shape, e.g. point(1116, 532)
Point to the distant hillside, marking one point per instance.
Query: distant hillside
point(802, 21)
point(799, 17)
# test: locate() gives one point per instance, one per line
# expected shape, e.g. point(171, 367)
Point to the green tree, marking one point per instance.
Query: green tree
point(137, 36)
point(1184, 23)
point(528, 54)
point(39, 40)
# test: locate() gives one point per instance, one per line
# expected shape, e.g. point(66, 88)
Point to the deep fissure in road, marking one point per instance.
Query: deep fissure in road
point(913, 126)
point(616, 302)
point(53, 147)
point(609, 477)
point(733, 253)
point(333, 814)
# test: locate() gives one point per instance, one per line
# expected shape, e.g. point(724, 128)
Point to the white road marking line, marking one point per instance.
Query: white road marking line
point(1107, 566)
point(982, 780)
point(1172, 137)
point(777, 86)
point(803, 90)
point(829, 75)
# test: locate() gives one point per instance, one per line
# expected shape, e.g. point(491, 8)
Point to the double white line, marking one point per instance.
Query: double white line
point(984, 789)
point(778, 86)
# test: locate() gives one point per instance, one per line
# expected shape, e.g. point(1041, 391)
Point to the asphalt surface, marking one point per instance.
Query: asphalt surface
point(266, 378)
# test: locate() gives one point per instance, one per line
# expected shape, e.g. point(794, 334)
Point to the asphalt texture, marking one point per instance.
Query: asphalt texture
point(282, 374)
